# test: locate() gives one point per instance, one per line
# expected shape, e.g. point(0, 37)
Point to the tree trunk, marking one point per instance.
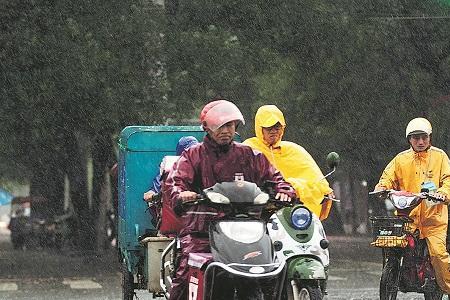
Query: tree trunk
point(102, 156)
point(77, 174)
point(105, 199)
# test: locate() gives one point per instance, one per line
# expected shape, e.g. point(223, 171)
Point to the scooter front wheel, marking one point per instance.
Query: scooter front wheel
point(389, 280)
point(297, 292)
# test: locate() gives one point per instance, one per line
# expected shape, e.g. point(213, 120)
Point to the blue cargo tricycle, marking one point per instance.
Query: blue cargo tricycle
point(140, 248)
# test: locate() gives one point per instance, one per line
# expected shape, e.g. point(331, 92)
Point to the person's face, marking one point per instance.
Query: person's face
point(272, 134)
point(419, 142)
point(224, 134)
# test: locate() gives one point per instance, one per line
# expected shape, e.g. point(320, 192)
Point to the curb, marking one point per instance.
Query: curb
point(355, 248)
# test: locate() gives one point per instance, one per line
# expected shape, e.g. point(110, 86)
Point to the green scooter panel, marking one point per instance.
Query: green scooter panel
point(304, 268)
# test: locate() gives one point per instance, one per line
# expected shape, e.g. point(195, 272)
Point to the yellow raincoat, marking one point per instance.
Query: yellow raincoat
point(295, 164)
point(407, 171)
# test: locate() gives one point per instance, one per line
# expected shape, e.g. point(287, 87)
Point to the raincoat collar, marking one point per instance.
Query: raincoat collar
point(422, 154)
point(266, 116)
point(216, 148)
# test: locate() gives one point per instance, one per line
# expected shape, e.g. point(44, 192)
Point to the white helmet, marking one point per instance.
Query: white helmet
point(417, 126)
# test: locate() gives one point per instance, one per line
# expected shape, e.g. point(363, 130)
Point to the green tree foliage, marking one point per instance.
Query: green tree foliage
point(349, 75)
point(71, 73)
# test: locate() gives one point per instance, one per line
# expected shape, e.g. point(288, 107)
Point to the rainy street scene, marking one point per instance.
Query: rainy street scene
point(224, 150)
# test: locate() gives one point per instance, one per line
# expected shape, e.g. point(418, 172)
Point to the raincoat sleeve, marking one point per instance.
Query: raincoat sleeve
point(388, 180)
point(156, 184)
point(444, 181)
point(180, 178)
point(312, 194)
point(308, 184)
point(310, 170)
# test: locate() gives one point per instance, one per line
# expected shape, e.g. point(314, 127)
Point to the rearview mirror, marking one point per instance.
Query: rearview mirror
point(333, 160)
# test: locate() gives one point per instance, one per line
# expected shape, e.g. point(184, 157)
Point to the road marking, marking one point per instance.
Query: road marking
point(336, 278)
point(374, 273)
point(8, 286)
point(82, 284)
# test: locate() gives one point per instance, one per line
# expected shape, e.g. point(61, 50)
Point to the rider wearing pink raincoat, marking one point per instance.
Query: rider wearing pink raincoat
point(217, 159)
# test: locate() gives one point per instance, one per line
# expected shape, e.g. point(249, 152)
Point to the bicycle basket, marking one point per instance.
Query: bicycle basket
point(389, 232)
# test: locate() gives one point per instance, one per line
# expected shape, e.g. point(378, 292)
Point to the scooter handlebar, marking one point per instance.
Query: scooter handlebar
point(425, 194)
point(431, 196)
point(380, 192)
point(199, 198)
point(280, 204)
point(181, 206)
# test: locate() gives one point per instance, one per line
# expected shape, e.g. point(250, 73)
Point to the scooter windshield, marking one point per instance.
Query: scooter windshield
point(402, 201)
point(239, 192)
point(247, 232)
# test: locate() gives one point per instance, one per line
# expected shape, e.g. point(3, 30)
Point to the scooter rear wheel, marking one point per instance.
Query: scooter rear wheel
point(435, 295)
point(389, 280)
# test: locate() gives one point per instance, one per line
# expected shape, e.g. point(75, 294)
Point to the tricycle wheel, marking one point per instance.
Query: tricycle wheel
point(127, 283)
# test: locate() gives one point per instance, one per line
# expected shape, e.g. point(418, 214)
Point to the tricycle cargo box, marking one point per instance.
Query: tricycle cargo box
point(155, 247)
point(141, 149)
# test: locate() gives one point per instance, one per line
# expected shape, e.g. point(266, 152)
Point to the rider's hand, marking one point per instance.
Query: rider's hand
point(283, 197)
point(438, 196)
point(331, 195)
point(186, 196)
point(148, 196)
point(381, 196)
point(380, 189)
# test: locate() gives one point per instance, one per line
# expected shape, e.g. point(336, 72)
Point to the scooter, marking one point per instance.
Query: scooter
point(406, 261)
point(299, 239)
point(20, 225)
point(242, 263)
point(56, 229)
point(30, 231)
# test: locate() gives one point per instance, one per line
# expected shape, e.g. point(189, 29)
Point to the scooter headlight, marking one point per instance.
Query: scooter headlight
point(301, 218)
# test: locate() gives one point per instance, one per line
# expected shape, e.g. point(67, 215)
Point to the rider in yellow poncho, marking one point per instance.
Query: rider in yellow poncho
point(424, 166)
point(295, 164)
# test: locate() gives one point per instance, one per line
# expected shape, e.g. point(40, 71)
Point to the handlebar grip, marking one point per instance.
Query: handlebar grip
point(379, 192)
point(278, 203)
point(432, 198)
point(198, 198)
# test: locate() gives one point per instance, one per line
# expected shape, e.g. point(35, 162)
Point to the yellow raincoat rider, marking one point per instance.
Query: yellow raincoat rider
point(424, 166)
point(295, 164)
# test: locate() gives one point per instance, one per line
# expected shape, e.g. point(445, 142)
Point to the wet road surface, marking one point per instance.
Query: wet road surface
point(50, 274)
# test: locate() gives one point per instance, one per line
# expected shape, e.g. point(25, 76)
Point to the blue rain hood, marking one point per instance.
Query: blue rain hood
point(184, 143)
